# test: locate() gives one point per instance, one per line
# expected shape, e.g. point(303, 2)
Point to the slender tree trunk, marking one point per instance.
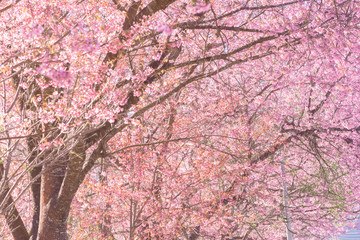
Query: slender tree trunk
point(13, 219)
point(105, 225)
point(35, 188)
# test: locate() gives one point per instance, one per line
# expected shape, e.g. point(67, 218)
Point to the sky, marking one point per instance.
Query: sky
point(351, 235)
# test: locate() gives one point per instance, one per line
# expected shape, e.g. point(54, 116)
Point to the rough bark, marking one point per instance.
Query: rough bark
point(52, 220)
point(13, 219)
point(53, 223)
point(35, 190)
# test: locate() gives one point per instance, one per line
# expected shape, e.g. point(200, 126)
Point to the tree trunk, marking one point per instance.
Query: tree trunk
point(52, 227)
point(60, 181)
point(35, 189)
point(35, 176)
point(13, 219)
point(53, 213)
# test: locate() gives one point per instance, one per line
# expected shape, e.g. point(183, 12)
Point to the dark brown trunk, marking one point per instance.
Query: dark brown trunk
point(35, 177)
point(59, 183)
point(14, 221)
point(53, 216)
point(35, 189)
point(52, 226)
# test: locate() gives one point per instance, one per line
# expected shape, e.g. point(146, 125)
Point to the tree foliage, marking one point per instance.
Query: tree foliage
point(178, 119)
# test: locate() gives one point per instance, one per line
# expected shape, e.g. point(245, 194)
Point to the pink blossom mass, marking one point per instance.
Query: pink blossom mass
point(179, 119)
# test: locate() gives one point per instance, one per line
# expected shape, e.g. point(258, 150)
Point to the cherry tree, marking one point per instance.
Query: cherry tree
point(165, 119)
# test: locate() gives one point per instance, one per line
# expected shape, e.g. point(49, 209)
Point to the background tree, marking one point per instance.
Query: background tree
point(177, 115)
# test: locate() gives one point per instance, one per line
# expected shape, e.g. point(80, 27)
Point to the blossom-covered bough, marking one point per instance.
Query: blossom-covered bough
point(170, 119)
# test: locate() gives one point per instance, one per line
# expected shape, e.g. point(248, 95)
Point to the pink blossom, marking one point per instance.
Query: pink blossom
point(164, 28)
point(59, 74)
point(202, 8)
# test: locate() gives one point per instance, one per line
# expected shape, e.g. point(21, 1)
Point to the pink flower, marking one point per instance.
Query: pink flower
point(202, 8)
point(36, 30)
point(197, 10)
point(164, 28)
point(60, 74)
point(60, 77)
